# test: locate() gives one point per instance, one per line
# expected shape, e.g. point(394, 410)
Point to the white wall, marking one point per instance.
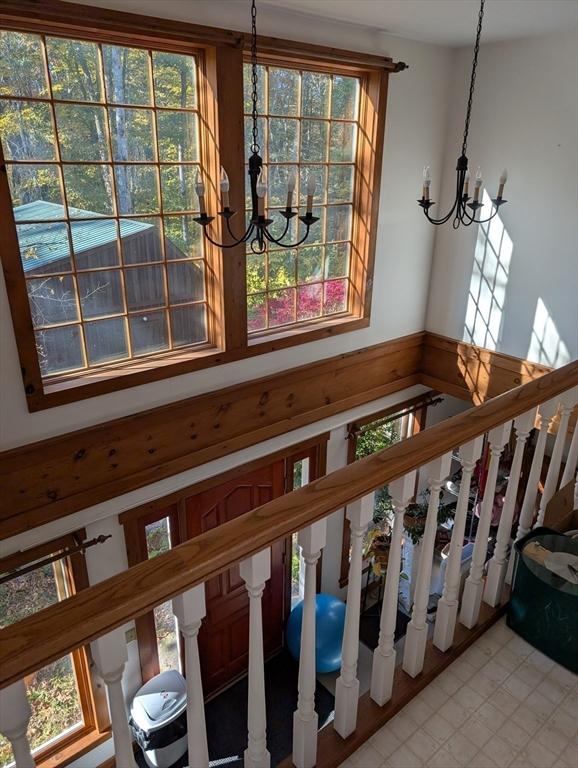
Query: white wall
point(417, 104)
point(525, 117)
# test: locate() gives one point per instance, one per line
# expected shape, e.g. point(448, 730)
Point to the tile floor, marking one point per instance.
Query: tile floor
point(502, 703)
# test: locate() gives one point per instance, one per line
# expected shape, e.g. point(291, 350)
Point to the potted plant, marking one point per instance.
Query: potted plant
point(415, 516)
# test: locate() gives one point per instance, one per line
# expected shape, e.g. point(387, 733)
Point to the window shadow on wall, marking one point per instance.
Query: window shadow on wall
point(546, 346)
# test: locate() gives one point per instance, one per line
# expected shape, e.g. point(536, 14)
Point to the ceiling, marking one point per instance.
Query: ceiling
point(445, 22)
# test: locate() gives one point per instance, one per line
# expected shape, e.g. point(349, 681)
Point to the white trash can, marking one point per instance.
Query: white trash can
point(159, 719)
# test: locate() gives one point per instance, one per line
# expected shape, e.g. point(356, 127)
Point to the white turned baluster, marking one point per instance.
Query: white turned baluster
point(14, 718)
point(567, 403)
point(189, 610)
point(571, 460)
point(498, 565)
point(359, 514)
point(415, 640)
point(255, 571)
point(383, 667)
point(110, 657)
point(447, 609)
point(311, 540)
point(473, 589)
point(546, 413)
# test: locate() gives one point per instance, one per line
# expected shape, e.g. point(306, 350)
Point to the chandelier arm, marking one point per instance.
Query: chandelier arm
point(244, 237)
point(289, 245)
point(270, 237)
point(229, 245)
point(443, 219)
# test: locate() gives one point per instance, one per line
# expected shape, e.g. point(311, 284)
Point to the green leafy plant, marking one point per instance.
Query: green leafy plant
point(415, 516)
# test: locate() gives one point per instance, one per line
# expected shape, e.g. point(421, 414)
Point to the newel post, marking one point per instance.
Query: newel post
point(472, 597)
point(359, 514)
point(255, 572)
point(14, 718)
point(447, 610)
point(416, 638)
point(384, 656)
point(311, 540)
point(189, 610)
point(497, 566)
point(110, 656)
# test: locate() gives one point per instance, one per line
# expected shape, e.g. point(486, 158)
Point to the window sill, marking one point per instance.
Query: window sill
point(61, 755)
point(110, 379)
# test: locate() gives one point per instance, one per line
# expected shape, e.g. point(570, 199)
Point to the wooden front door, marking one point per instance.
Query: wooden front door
point(224, 635)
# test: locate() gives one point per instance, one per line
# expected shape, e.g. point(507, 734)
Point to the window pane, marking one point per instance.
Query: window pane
point(335, 296)
point(136, 188)
point(32, 183)
point(141, 240)
point(177, 135)
point(281, 269)
point(248, 87)
point(310, 264)
point(179, 187)
point(314, 141)
point(256, 272)
point(338, 222)
point(186, 281)
point(82, 132)
point(144, 287)
point(74, 69)
point(320, 174)
point(95, 243)
point(182, 238)
point(174, 80)
point(277, 184)
point(100, 293)
point(52, 300)
point(44, 248)
point(337, 260)
point(21, 65)
point(317, 232)
point(342, 144)
point(189, 324)
point(262, 128)
point(309, 301)
point(148, 333)
point(315, 94)
point(281, 307)
point(283, 135)
point(257, 312)
point(88, 190)
point(344, 97)
point(131, 133)
point(59, 349)
point(283, 91)
point(106, 340)
point(126, 75)
point(340, 188)
point(26, 130)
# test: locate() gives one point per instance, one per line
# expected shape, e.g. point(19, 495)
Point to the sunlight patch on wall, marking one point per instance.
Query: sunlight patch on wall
point(546, 346)
point(492, 257)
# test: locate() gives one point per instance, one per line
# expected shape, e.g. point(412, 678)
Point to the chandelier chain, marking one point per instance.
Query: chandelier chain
point(473, 78)
point(254, 78)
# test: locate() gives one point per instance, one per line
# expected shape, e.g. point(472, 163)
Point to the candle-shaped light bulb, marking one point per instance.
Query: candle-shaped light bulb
point(311, 185)
point(477, 185)
point(291, 182)
point(426, 182)
point(224, 189)
point(503, 180)
point(200, 190)
point(467, 184)
point(261, 192)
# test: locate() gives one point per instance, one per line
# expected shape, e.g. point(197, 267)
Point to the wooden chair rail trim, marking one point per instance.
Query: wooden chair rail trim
point(49, 634)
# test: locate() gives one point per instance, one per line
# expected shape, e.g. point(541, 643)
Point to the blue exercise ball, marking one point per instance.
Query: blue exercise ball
point(329, 624)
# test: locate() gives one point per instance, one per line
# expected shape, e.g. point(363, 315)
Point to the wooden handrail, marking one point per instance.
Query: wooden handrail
point(51, 633)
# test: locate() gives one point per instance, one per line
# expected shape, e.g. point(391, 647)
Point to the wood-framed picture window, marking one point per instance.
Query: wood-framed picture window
point(374, 433)
point(69, 712)
point(104, 125)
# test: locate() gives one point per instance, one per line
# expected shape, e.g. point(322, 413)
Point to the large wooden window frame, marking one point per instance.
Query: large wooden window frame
point(92, 698)
point(220, 57)
point(174, 507)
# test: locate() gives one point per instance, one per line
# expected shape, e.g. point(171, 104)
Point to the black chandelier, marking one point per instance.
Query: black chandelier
point(462, 198)
point(257, 233)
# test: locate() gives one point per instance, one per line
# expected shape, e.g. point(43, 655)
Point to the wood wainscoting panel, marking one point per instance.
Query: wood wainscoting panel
point(472, 373)
point(52, 478)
